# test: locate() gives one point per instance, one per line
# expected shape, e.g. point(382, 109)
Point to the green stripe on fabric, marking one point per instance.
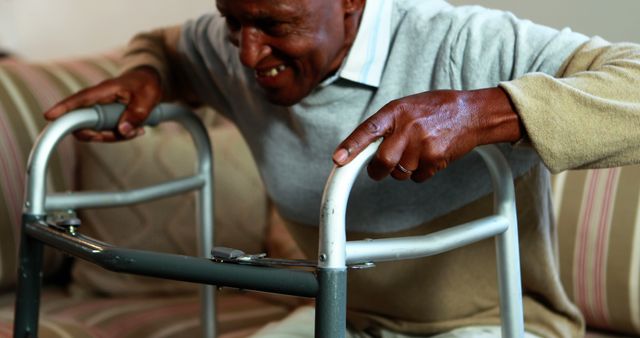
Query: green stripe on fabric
point(56, 81)
point(567, 225)
point(17, 124)
point(7, 247)
point(30, 99)
point(622, 227)
point(73, 74)
point(35, 110)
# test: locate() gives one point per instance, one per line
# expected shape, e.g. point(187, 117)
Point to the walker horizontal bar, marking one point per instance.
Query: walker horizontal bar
point(391, 249)
point(177, 267)
point(81, 200)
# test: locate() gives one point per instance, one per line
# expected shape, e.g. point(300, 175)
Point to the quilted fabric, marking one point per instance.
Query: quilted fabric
point(598, 216)
point(168, 225)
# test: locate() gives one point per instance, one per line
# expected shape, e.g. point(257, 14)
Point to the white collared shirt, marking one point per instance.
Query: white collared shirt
point(369, 51)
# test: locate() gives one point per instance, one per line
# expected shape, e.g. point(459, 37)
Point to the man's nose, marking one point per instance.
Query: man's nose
point(251, 47)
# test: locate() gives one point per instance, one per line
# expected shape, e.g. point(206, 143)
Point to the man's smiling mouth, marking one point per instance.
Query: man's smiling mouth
point(270, 72)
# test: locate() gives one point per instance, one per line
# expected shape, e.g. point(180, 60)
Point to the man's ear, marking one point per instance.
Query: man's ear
point(353, 6)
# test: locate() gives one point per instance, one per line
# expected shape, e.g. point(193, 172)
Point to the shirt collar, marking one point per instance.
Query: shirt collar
point(368, 54)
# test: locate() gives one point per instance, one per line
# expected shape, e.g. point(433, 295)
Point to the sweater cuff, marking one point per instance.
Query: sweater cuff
point(146, 50)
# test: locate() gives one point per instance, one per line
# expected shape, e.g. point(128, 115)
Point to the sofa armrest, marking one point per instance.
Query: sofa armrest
point(26, 90)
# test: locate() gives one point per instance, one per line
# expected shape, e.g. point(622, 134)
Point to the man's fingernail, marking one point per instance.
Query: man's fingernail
point(126, 129)
point(341, 155)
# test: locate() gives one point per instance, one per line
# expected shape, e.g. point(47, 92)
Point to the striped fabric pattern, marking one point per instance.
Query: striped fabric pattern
point(598, 221)
point(26, 90)
point(143, 317)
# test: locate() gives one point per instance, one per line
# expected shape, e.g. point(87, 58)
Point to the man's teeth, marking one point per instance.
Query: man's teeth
point(272, 72)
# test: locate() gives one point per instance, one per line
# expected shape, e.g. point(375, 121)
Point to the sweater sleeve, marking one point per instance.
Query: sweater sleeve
point(158, 49)
point(588, 116)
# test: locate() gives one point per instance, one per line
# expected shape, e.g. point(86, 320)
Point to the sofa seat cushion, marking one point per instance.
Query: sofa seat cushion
point(239, 314)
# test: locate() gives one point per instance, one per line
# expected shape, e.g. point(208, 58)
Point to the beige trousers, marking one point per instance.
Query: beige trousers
point(299, 324)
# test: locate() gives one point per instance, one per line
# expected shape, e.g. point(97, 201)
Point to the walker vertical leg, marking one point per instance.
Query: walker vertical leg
point(509, 283)
point(208, 311)
point(27, 305)
point(331, 303)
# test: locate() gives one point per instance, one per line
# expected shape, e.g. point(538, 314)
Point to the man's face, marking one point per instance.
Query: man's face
point(291, 45)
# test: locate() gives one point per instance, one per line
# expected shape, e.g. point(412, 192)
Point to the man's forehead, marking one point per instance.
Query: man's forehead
point(262, 8)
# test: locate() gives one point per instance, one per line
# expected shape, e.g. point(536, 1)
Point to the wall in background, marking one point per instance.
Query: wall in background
point(615, 21)
point(44, 29)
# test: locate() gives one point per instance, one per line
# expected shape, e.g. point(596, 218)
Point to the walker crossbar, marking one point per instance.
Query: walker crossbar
point(176, 267)
point(327, 284)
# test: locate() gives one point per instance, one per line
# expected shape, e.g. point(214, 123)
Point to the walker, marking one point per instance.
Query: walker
point(232, 268)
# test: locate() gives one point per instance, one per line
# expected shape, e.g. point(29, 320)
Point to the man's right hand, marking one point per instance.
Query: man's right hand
point(139, 89)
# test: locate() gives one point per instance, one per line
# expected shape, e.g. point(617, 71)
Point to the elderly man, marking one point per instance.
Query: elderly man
point(311, 81)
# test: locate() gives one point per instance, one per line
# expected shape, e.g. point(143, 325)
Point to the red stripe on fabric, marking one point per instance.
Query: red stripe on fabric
point(582, 295)
point(600, 275)
point(86, 71)
point(12, 179)
point(137, 320)
point(46, 94)
point(90, 307)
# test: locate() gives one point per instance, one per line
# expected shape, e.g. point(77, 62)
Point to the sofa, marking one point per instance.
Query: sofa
point(597, 212)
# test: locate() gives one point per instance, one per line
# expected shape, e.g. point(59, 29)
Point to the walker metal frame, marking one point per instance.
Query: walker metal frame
point(327, 283)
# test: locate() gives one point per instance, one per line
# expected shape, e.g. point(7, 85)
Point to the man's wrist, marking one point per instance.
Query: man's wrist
point(497, 118)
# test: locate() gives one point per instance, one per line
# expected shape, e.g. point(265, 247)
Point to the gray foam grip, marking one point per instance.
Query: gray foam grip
point(109, 114)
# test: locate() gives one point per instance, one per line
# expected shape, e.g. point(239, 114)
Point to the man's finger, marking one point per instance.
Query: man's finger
point(388, 156)
point(83, 98)
point(370, 130)
point(134, 115)
point(86, 135)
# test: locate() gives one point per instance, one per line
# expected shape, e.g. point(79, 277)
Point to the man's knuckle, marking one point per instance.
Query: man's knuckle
point(372, 127)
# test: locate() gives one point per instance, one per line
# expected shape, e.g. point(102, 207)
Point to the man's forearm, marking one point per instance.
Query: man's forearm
point(158, 50)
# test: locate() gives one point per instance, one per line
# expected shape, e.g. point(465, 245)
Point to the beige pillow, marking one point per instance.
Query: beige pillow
point(167, 225)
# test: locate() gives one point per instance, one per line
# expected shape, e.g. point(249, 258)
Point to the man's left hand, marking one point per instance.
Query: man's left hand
point(425, 132)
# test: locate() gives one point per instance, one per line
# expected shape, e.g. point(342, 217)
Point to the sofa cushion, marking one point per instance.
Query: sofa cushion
point(62, 316)
point(168, 225)
point(26, 90)
point(598, 221)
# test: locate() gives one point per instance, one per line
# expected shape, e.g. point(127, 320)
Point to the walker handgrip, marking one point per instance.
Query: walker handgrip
point(109, 115)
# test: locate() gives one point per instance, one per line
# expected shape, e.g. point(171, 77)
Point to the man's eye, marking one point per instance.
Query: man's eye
point(232, 23)
point(278, 29)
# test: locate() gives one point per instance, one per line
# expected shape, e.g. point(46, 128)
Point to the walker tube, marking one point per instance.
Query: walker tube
point(106, 117)
point(176, 267)
point(335, 251)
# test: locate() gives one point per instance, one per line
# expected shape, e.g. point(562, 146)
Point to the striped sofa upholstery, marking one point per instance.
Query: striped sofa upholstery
point(598, 216)
point(139, 317)
point(19, 126)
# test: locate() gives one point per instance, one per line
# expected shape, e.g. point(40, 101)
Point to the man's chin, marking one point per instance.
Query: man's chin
point(283, 100)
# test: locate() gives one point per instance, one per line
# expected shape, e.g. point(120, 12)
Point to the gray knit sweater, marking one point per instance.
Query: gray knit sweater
point(433, 46)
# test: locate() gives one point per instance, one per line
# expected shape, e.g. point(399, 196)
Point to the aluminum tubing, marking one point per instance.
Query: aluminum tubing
point(507, 246)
